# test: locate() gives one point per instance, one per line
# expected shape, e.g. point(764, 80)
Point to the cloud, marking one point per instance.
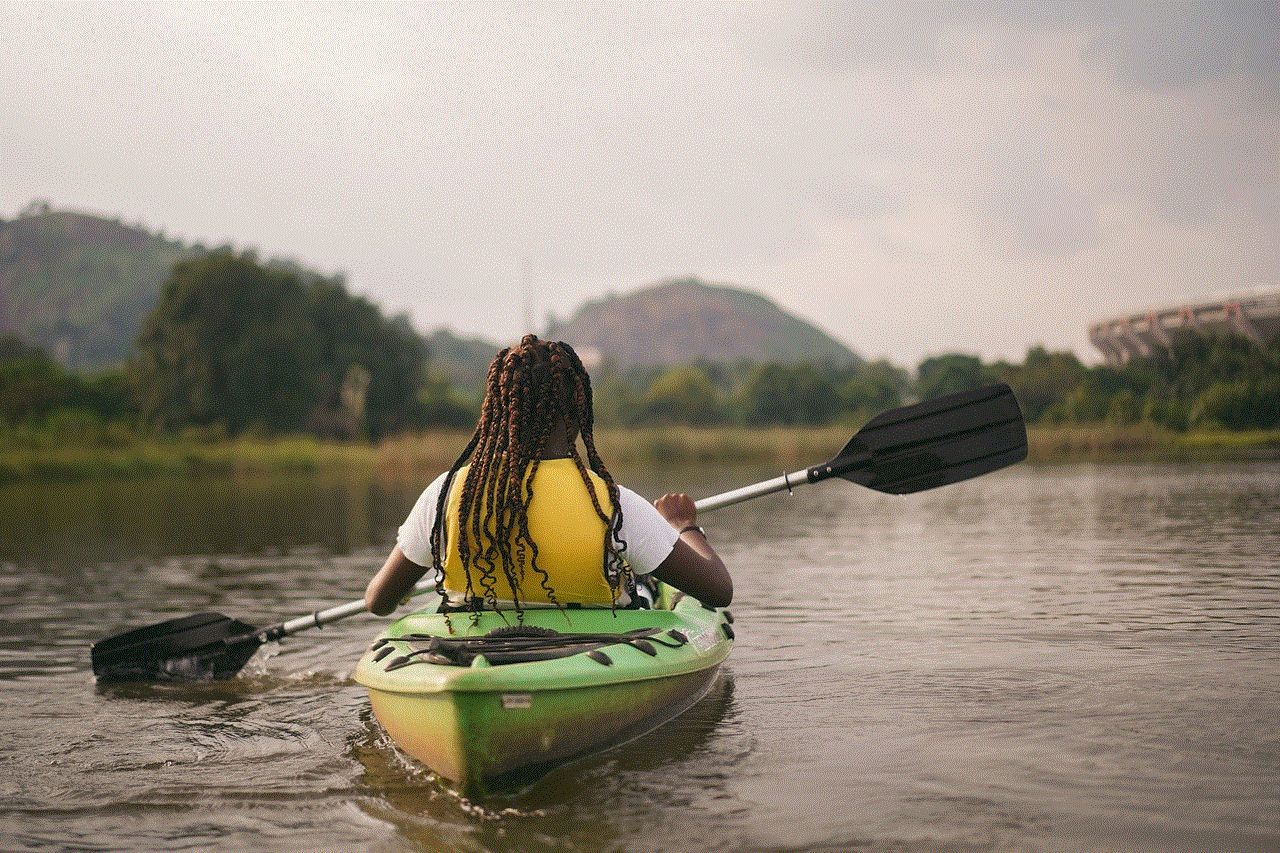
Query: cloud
point(1180, 45)
point(861, 163)
point(1150, 45)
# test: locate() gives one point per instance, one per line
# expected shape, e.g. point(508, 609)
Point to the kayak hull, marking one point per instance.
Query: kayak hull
point(485, 727)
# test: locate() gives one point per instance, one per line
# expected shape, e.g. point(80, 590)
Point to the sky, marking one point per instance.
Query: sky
point(914, 179)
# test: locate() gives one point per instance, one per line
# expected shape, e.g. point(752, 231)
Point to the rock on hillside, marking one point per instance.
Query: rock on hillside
point(682, 321)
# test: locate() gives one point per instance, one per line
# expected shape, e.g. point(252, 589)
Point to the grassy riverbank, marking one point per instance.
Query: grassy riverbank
point(418, 455)
point(409, 455)
point(1143, 442)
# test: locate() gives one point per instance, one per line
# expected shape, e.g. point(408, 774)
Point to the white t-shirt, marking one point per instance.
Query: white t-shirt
point(648, 536)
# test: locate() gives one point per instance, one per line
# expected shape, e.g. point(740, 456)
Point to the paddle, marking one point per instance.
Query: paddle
point(909, 449)
point(922, 446)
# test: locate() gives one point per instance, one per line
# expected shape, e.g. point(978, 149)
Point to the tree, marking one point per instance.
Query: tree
point(1044, 380)
point(239, 345)
point(950, 373)
point(767, 396)
point(792, 394)
point(1210, 381)
point(229, 343)
point(616, 400)
point(683, 394)
point(354, 334)
point(32, 384)
point(872, 389)
point(33, 387)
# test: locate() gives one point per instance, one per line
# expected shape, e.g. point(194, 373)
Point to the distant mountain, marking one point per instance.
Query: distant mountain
point(79, 285)
point(687, 320)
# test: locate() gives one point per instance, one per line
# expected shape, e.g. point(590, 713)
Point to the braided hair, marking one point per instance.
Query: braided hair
point(532, 389)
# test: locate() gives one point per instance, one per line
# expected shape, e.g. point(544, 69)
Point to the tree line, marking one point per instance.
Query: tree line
point(1199, 382)
point(235, 346)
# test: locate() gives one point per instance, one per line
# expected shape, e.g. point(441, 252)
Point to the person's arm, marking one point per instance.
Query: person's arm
point(392, 583)
point(693, 566)
point(399, 573)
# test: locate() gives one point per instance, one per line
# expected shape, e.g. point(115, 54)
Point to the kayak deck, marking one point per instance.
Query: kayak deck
point(579, 681)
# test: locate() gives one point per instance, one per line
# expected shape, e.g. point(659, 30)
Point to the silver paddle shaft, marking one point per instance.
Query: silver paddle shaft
point(746, 493)
point(320, 618)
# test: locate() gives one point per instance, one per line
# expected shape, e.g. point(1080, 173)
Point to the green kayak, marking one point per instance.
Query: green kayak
point(498, 703)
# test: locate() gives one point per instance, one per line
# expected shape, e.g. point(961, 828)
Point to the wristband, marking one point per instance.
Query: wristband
point(684, 530)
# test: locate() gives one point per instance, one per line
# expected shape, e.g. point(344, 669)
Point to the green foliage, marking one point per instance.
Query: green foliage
point(782, 394)
point(950, 374)
point(1125, 408)
point(682, 394)
point(438, 405)
point(248, 347)
point(616, 400)
point(1251, 403)
point(353, 333)
point(227, 343)
point(872, 389)
point(237, 347)
point(758, 395)
point(1203, 381)
point(465, 361)
point(1200, 382)
point(34, 389)
point(1039, 382)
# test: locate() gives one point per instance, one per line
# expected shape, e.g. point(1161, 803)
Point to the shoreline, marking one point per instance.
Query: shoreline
point(792, 448)
point(1146, 443)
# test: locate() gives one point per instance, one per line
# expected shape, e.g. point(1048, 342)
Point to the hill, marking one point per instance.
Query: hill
point(79, 285)
point(686, 320)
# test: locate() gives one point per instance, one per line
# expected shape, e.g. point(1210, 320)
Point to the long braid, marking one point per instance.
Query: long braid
point(542, 419)
point(478, 438)
point(614, 544)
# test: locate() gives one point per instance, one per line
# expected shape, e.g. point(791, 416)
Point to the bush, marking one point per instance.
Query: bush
point(1238, 405)
point(1125, 408)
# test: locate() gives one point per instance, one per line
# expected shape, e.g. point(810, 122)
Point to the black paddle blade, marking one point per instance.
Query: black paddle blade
point(191, 648)
point(936, 442)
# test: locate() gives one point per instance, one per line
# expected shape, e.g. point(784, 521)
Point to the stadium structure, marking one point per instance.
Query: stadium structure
point(1255, 314)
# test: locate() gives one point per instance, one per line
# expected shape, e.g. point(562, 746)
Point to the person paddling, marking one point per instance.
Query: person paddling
point(523, 519)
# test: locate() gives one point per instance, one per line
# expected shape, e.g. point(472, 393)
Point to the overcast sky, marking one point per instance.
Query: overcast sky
point(914, 179)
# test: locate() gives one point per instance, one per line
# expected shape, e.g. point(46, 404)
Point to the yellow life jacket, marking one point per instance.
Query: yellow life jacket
point(564, 525)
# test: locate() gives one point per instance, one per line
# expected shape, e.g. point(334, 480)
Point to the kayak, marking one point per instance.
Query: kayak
point(495, 702)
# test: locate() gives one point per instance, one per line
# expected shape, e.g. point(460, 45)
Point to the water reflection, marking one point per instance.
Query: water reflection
point(70, 524)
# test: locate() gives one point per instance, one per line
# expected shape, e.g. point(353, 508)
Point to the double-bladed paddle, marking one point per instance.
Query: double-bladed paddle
point(909, 449)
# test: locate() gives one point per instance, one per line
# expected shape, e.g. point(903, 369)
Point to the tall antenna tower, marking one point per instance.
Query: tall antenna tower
point(526, 294)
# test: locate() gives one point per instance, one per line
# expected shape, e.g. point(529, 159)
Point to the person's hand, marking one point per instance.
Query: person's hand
point(678, 510)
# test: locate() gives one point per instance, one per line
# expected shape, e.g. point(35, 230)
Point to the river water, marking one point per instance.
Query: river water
point(1063, 658)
